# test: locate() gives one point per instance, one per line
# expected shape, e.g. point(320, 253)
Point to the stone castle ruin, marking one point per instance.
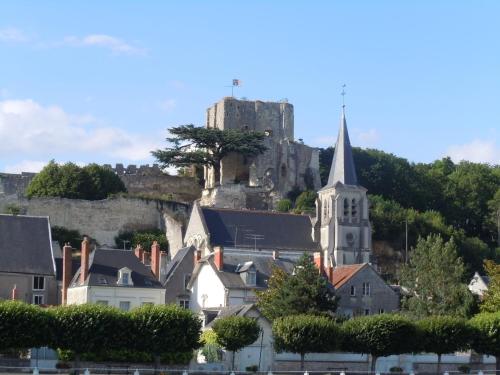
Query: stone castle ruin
point(259, 182)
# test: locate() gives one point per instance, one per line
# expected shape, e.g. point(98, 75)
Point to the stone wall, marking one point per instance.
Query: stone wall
point(144, 180)
point(104, 219)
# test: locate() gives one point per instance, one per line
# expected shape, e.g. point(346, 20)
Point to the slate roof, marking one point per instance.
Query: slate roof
point(104, 267)
point(26, 245)
point(235, 310)
point(343, 274)
point(342, 168)
point(177, 259)
point(235, 228)
point(232, 279)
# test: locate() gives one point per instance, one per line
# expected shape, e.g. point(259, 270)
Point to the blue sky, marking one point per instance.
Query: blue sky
point(101, 81)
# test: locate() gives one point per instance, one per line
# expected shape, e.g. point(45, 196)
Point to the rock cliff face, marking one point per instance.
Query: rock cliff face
point(287, 164)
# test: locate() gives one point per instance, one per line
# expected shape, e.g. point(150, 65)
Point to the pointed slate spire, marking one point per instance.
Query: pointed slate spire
point(342, 169)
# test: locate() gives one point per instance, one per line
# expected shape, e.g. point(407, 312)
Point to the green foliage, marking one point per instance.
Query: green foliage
point(434, 280)
point(284, 205)
point(92, 182)
point(211, 350)
point(144, 237)
point(487, 337)
point(304, 334)
point(164, 329)
point(306, 202)
point(207, 146)
point(306, 291)
point(444, 334)
point(64, 235)
point(12, 209)
point(491, 301)
point(236, 332)
point(88, 328)
point(22, 326)
point(127, 356)
point(379, 335)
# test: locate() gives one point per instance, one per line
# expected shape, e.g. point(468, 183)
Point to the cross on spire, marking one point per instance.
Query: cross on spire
point(343, 95)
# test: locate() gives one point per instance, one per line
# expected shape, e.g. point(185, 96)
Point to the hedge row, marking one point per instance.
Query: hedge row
point(83, 329)
point(388, 334)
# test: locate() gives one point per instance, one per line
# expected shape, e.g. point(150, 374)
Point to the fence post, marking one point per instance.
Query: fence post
point(136, 372)
point(35, 371)
point(86, 372)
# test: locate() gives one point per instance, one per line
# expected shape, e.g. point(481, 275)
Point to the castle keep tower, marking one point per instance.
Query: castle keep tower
point(342, 209)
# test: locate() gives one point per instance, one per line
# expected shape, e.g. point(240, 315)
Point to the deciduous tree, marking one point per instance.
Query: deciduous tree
point(236, 332)
point(304, 334)
point(491, 301)
point(487, 336)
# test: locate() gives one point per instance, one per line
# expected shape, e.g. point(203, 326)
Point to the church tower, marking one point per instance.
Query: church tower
point(342, 209)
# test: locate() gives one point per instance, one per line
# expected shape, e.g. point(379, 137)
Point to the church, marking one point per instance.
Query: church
point(234, 249)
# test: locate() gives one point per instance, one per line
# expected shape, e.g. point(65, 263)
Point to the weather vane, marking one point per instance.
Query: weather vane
point(343, 95)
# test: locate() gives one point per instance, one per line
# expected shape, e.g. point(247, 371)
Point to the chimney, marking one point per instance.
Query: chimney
point(67, 272)
point(219, 257)
point(276, 254)
point(85, 253)
point(155, 259)
point(318, 261)
point(329, 273)
point(197, 256)
point(13, 296)
point(139, 252)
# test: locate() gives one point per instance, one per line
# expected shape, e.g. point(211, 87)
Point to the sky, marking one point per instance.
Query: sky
point(102, 81)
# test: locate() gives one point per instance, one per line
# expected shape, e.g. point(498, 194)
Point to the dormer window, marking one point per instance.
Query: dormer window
point(248, 273)
point(251, 277)
point(125, 277)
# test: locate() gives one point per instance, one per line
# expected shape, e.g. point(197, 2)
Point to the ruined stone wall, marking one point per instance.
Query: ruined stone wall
point(143, 180)
point(105, 219)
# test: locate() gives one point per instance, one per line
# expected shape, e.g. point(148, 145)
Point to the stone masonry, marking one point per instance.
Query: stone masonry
point(266, 178)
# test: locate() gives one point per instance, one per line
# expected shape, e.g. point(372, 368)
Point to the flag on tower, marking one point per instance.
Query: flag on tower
point(236, 82)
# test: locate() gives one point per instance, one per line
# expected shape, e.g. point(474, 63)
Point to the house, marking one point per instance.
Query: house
point(226, 278)
point(362, 291)
point(249, 230)
point(178, 273)
point(259, 354)
point(479, 284)
point(27, 267)
point(113, 277)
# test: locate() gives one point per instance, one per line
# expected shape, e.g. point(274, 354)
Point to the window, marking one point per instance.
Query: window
point(346, 207)
point(187, 277)
point(251, 278)
point(102, 302)
point(184, 303)
point(366, 289)
point(124, 305)
point(353, 290)
point(37, 299)
point(354, 208)
point(367, 311)
point(38, 283)
point(125, 278)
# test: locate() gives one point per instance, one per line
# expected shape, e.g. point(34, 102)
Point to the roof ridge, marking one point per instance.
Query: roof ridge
point(254, 211)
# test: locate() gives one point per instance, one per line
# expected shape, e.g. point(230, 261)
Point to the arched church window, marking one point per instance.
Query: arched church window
point(325, 213)
point(346, 207)
point(354, 208)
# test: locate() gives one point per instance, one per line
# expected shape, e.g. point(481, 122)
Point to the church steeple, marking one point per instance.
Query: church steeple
point(342, 169)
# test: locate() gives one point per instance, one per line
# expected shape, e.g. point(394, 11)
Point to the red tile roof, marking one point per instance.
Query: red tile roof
point(342, 274)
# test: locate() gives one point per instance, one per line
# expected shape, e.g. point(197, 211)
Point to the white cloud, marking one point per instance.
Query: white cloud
point(25, 166)
point(168, 105)
point(11, 34)
point(112, 43)
point(35, 132)
point(368, 138)
point(478, 151)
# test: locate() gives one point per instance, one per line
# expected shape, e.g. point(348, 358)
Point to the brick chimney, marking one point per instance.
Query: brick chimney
point(85, 254)
point(329, 273)
point(139, 252)
point(67, 270)
point(219, 257)
point(155, 259)
point(276, 254)
point(318, 261)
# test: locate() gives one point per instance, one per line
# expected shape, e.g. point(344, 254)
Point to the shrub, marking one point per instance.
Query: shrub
point(284, 205)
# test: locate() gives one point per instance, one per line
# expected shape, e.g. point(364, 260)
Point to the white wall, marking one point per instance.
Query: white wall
point(115, 295)
point(207, 285)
